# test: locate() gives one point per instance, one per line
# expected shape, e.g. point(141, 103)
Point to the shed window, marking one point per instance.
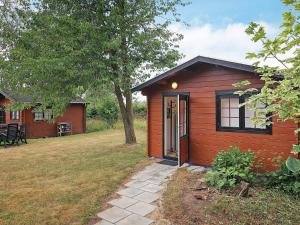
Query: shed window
point(48, 115)
point(231, 117)
point(2, 114)
point(15, 115)
point(45, 115)
point(260, 113)
point(38, 116)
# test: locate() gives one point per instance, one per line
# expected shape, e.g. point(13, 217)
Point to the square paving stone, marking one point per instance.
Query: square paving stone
point(130, 192)
point(104, 222)
point(135, 220)
point(147, 197)
point(141, 177)
point(113, 214)
point(141, 208)
point(123, 202)
point(153, 188)
point(156, 180)
point(136, 183)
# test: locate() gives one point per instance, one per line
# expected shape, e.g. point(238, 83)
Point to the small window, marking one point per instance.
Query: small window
point(45, 115)
point(260, 113)
point(231, 117)
point(183, 118)
point(15, 115)
point(48, 115)
point(2, 115)
point(38, 116)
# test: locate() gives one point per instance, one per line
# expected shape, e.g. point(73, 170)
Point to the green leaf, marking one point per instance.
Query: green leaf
point(251, 55)
point(296, 149)
point(293, 164)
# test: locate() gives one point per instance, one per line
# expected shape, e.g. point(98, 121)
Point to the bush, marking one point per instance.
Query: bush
point(284, 180)
point(109, 112)
point(230, 168)
point(92, 112)
point(140, 109)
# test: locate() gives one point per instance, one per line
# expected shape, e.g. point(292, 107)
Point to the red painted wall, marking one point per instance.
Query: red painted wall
point(205, 141)
point(75, 113)
point(5, 102)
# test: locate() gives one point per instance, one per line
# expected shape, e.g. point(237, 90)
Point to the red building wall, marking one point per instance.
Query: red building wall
point(205, 141)
point(5, 102)
point(75, 114)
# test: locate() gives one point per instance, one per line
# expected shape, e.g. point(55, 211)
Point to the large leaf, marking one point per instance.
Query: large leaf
point(293, 164)
point(296, 149)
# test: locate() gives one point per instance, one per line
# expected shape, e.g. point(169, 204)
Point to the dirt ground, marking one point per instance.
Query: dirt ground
point(187, 200)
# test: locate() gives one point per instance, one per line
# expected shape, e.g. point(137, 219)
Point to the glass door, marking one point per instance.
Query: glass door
point(183, 131)
point(170, 124)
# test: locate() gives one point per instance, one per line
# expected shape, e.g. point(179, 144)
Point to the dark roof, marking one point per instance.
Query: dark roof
point(198, 59)
point(28, 99)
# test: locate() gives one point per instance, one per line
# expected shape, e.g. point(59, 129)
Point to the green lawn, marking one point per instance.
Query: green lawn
point(64, 180)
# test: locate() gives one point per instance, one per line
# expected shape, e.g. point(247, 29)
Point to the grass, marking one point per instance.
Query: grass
point(269, 207)
point(94, 125)
point(265, 206)
point(173, 199)
point(64, 180)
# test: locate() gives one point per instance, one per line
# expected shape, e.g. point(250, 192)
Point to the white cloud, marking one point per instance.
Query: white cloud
point(229, 43)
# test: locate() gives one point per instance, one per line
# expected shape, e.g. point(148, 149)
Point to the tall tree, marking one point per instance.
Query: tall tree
point(281, 90)
point(68, 47)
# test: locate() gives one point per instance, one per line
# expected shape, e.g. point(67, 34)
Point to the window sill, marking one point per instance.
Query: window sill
point(252, 131)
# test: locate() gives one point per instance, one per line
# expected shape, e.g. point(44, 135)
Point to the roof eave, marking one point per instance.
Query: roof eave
point(218, 62)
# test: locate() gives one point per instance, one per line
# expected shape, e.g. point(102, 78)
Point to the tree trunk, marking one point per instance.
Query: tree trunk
point(127, 114)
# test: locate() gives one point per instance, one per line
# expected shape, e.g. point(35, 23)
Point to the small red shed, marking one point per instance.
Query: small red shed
point(37, 123)
point(193, 113)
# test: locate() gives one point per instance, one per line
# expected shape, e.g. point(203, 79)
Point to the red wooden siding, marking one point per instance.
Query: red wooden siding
point(75, 113)
point(205, 141)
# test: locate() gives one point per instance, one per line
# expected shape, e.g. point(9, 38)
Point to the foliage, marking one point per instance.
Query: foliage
point(64, 48)
point(293, 165)
point(94, 125)
point(109, 112)
point(92, 112)
point(270, 207)
point(286, 178)
point(140, 109)
point(95, 100)
point(230, 168)
point(281, 88)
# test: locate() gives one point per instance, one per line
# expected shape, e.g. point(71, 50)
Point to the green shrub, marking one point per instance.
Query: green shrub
point(285, 180)
point(92, 112)
point(140, 109)
point(109, 112)
point(230, 168)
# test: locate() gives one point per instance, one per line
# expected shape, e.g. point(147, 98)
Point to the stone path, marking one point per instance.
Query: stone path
point(137, 199)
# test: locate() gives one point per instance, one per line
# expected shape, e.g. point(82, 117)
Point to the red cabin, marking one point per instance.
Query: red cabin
point(37, 123)
point(193, 113)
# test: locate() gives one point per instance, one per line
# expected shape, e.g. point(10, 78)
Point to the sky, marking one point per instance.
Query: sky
point(217, 27)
